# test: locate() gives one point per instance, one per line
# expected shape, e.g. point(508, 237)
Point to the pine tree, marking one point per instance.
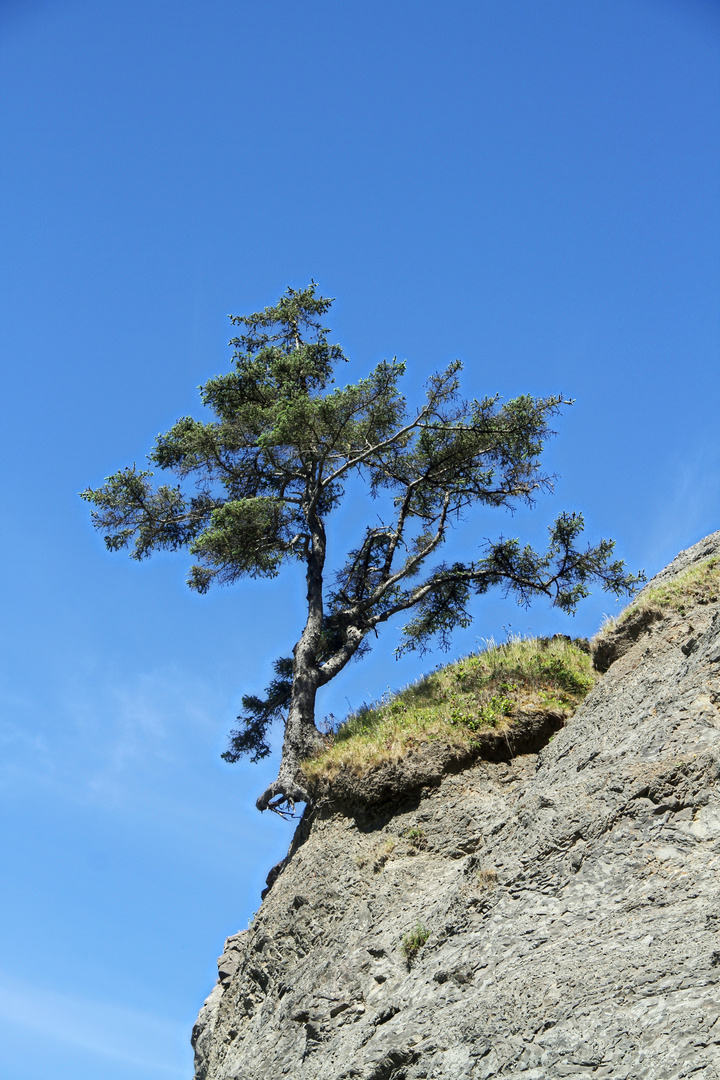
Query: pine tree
point(258, 485)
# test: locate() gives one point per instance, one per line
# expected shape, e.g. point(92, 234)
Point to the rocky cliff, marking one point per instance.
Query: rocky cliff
point(554, 915)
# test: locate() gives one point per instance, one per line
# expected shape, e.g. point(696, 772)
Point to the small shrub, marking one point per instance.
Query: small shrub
point(488, 715)
point(413, 942)
point(415, 836)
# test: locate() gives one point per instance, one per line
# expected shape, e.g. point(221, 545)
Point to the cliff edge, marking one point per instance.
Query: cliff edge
point(553, 915)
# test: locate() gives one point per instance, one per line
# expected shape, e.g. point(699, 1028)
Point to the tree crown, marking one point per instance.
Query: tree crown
point(255, 486)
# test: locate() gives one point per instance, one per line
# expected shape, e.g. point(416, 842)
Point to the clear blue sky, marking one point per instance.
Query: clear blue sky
point(531, 187)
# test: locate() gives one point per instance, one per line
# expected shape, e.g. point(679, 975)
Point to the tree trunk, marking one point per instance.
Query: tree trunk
point(302, 738)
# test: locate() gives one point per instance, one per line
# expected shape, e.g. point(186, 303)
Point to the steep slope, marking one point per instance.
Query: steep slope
point(556, 915)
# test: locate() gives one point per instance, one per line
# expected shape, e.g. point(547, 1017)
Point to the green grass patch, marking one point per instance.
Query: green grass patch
point(482, 692)
point(698, 585)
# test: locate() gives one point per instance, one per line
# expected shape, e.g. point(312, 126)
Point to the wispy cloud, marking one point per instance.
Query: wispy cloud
point(97, 733)
point(104, 1028)
point(145, 721)
point(143, 747)
point(691, 508)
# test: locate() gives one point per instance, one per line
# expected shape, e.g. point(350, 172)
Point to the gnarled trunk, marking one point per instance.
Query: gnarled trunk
point(302, 738)
point(301, 735)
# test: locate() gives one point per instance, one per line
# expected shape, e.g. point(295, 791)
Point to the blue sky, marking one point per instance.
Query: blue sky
point(530, 187)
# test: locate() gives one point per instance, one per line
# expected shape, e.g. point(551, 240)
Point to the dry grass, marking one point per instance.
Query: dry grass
point(482, 692)
point(486, 878)
point(698, 585)
point(378, 856)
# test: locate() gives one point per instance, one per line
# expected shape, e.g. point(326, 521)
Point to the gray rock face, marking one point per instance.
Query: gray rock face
point(569, 903)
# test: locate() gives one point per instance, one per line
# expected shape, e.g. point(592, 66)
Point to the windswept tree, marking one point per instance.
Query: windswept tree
point(257, 487)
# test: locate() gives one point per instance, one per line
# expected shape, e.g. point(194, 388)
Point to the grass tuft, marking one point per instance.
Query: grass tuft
point(487, 878)
point(415, 837)
point(413, 942)
point(482, 692)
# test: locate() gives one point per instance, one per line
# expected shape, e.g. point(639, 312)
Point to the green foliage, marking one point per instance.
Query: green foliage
point(413, 942)
point(260, 712)
point(522, 571)
point(255, 487)
point(489, 714)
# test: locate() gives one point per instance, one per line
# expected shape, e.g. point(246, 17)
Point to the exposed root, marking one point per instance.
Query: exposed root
point(281, 796)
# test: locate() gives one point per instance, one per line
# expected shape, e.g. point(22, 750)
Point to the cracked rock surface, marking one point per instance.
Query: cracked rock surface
point(569, 903)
